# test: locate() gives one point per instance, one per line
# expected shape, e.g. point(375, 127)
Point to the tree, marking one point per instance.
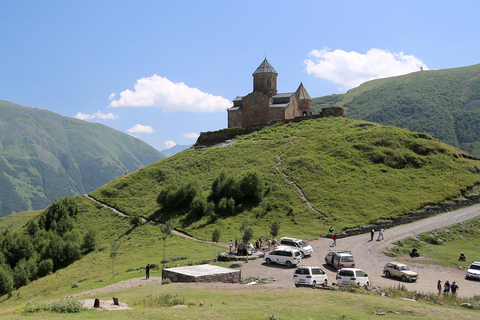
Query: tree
point(6, 280)
point(216, 238)
point(89, 240)
point(275, 228)
point(166, 232)
point(114, 254)
point(247, 235)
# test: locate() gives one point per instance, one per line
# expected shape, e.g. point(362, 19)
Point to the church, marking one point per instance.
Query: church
point(265, 105)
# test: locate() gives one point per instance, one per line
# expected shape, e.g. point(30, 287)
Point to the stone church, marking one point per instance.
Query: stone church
point(265, 105)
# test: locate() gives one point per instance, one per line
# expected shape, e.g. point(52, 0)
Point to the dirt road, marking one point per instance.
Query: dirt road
point(369, 256)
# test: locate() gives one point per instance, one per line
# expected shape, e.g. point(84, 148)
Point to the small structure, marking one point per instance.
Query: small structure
point(202, 273)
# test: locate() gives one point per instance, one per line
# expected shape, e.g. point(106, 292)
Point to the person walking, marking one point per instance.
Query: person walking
point(334, 240)
point(372, 234)
point(439, 287)
point(236, 245)
point(454, 288)
point(261, 242)
point(380, 234)
point(231, 245)
point(446, 287)
point(147, 271)
point(252, 249)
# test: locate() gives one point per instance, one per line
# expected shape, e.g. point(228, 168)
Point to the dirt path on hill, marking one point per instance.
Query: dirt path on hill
point(369, 256)
point(174, 231)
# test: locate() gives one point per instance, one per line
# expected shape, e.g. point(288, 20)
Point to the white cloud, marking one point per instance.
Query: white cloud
point(111, 96)
point(138, 128)
point(191, 135)
point(350, 69)
point(159, 92)
point(98, 114)
point(169, 144)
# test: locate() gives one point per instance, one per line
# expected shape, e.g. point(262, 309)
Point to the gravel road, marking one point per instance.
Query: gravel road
point(369, 257)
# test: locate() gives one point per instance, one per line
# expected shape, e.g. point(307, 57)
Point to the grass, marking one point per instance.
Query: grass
point(17, 220)
point(443, 246)
point(258, 303)
point(353, 175)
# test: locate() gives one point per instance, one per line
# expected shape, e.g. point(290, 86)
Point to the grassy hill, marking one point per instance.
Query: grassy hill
point(352, 172)
point(443, 103)
point(45, 156)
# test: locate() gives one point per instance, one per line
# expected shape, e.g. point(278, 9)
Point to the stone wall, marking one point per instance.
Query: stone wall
point(232, 277)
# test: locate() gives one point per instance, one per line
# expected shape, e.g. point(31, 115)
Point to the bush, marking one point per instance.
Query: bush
point(6, 280)
point(166, 281)
point(164, 300)
point(67, 305)
point(75, 285)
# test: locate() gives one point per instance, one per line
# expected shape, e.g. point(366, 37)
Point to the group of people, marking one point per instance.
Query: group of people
point(253, 248)
point(380, 234)
point(447, 287)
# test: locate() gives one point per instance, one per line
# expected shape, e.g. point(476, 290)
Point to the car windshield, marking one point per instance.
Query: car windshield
point(303, 243)
point(474, 267)
point(404, 268)
point(347, 259)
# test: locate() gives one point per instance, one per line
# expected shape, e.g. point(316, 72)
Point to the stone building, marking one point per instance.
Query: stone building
point(265, 105)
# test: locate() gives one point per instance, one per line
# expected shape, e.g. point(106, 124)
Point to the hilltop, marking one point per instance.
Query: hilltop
point(45, 156)
point(443, 103)
point(333, 171)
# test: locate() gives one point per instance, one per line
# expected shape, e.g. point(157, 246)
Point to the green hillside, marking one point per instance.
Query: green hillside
point(351, 171)
point(45, 156)
point(443, 103)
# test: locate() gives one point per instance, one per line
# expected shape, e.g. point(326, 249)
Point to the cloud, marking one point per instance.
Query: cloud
point(191, 135)
point(111, 96)
point(98, 114)
point(159, 92)
point(138, 128)
point(350, 69)
point(169, 144)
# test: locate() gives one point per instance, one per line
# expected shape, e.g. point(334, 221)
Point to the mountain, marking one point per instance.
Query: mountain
point(45, 156)
point(443, 103)
point(174, 150)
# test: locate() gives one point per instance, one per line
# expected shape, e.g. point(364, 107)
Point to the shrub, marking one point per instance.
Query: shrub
point(164, 300)
point(166, 281)
point(67, 305)
point(6, 280)
point(75, 285)
point(45, 267)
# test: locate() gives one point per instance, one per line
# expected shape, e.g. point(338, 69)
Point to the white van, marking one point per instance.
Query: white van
point(352, 276)
point(309, 276)
point(298, 244)
point(288, 257)
point(340, 259)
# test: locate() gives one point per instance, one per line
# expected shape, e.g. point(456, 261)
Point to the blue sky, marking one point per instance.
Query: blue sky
point(164, 71)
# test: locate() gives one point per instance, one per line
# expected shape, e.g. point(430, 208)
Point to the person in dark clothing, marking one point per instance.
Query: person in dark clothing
point(454, 288)
point(446, 287)
point(147, 271)
point(462, 257)
point(439, 287)
point(414, 253)
point(372, 234)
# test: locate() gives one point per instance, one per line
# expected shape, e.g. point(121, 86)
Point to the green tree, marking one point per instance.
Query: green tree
point(89, 240)
point(165, 233)
point(113, 254)
point(251, 187)
point(275, 228)
point(216, 238)
point(6, 280)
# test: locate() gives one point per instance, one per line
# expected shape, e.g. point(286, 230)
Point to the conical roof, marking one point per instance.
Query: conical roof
point(302, 92)
point(265, 67)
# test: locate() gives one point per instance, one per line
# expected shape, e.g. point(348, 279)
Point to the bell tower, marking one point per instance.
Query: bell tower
point(265, 78)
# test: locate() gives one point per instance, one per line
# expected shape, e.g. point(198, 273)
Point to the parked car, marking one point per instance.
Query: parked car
point(309, 276)
point(288, 257)
point(352, 276)
point(298, 244)
point(399, 270)
point(473, 271)
point(340, 259)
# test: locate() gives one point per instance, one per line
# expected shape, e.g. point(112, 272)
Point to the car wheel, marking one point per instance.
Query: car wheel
point(268, 261)
point(314, 284)
point(288, 264)
point(325, 282)
point(302, 254)
point(403, 278)
point(296, 285)
point(387, 274)
point(368, 283)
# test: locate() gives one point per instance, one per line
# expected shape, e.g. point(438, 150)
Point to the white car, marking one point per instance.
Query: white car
point(352, 276)
point(473, 271)
point(298, 244)
point(309, 276)
point(288, 257)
